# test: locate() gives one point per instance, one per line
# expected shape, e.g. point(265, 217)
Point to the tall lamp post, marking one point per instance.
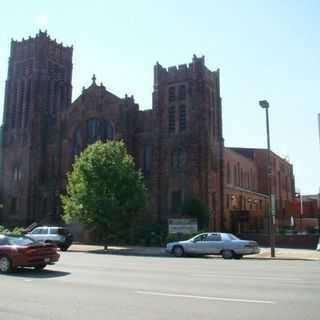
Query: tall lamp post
point(265, 105)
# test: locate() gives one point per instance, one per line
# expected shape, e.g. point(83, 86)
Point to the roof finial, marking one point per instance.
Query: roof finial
point(94, 79)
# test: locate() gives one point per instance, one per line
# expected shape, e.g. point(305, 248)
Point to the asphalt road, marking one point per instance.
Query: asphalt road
point(97, 286)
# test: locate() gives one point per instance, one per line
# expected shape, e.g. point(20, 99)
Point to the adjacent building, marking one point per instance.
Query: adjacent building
point(248, 180)
point(245, 205)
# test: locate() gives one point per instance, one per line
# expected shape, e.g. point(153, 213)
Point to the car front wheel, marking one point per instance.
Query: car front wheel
point(178, 251)
point(5, 264)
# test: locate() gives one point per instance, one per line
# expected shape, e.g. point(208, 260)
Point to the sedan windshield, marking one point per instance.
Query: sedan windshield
point(20, 241)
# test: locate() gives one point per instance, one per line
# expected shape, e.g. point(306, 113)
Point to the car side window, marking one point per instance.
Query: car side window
point(54, 231)
point(44, 231)
point(36, 231)
point(214, 237)
point(201, 237)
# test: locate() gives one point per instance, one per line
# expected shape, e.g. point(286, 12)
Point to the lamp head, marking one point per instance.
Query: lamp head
point(264, 104)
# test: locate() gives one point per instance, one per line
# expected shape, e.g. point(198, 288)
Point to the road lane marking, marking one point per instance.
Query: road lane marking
point(246, 277)
point(163, 294)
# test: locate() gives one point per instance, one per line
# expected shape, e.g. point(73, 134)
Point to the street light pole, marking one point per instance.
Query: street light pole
point(265, 105)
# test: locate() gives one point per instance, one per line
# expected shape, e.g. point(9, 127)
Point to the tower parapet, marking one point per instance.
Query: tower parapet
point(194, 71)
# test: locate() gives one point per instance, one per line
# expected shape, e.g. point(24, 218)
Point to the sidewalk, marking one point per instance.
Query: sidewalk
point(281, 253)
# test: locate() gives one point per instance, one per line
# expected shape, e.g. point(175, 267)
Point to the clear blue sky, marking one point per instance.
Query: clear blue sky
point(264, 49)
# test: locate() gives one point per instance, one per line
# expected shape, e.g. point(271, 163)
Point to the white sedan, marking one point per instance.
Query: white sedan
point(225, 244)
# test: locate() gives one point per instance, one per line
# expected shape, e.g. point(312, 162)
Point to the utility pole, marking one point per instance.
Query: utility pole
point(264, 104)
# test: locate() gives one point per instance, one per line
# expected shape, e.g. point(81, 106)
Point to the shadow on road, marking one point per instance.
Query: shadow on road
point(34, 274)
point(134, 253)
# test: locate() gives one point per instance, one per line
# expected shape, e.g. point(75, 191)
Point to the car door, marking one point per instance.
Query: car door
point(198, 245)
point(213, 243)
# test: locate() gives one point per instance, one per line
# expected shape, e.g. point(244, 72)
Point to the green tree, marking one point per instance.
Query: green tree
point(196, 208)
point(105, 190)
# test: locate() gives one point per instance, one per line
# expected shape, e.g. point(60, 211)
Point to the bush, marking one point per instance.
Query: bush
point(14, 232)
point(197, 209)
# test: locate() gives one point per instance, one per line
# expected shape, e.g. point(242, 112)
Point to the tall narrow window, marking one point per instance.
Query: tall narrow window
point(27, 106)
point(182, 92)
point(172, 119)
point(108, 131)
point(172, 94)
point(228, 173)
point(182, 118)
point(17, 173)
point(20, 105)
point(14, 107)
point(178, 160)
point(234, 175)
point(147, 154)
point(77, 143)
point(92, 130)
point(241, 179)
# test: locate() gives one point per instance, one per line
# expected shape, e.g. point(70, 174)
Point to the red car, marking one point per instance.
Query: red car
point(20, 251)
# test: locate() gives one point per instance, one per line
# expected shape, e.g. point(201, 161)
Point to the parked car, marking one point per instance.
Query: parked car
point(61, 236)
point(21, 251)
point(225, 244)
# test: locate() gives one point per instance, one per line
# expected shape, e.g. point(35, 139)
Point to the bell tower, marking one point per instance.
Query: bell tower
point(38, 89)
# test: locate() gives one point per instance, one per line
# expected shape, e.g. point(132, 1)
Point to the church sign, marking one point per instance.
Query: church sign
point(185, 226)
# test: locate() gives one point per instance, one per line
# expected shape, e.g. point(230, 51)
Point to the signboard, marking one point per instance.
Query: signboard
point(273, 205)
point(185, 226)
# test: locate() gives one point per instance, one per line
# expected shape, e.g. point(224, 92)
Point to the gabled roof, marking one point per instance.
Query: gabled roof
point(95, 90)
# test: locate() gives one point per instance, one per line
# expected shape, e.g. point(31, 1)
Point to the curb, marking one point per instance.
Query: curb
point(160, 252)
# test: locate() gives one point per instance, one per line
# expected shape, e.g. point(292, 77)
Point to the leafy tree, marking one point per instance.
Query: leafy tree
point(105, 190)
point(196, 208)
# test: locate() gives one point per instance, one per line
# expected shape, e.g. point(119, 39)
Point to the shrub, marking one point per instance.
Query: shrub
point(196, 208)
point(15, 231)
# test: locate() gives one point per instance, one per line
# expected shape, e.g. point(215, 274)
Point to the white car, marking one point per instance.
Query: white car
point(58, 235)
point(318, 246)
point(225, 244)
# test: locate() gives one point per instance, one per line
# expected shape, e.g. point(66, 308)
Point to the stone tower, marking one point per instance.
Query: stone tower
point(188, 141)
point(38, 90)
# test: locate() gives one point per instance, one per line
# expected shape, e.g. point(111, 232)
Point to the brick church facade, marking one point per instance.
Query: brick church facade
point(178, 144)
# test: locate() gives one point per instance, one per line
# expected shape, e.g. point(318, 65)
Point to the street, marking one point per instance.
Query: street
point(101, 286)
